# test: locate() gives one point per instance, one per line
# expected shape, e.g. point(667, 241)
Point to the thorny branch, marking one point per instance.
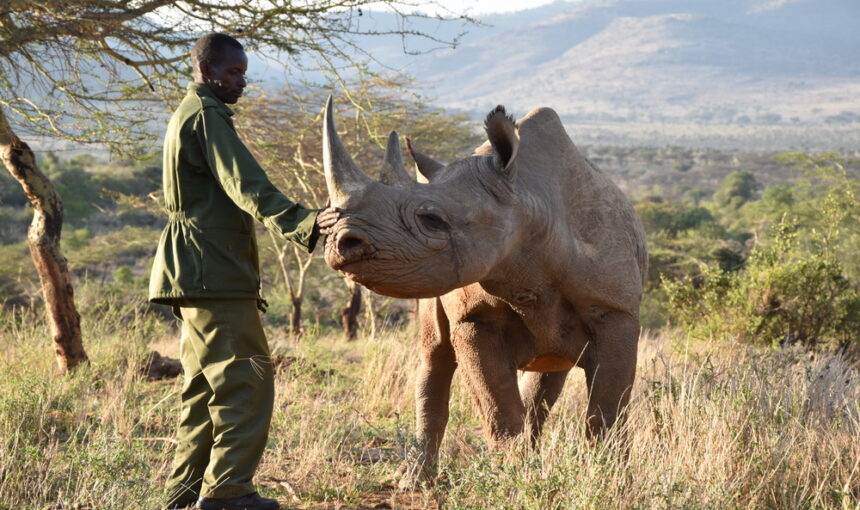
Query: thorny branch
point(65, 64)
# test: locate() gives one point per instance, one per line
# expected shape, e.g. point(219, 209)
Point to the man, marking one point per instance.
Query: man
point(207, 268)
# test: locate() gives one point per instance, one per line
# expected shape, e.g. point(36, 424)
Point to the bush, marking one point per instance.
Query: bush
point(123, 275)
point(76, 187)
point(736, 189)
point(671, 217)
point(781, 296)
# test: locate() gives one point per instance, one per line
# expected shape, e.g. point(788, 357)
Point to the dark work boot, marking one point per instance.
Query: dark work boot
point(251, 501)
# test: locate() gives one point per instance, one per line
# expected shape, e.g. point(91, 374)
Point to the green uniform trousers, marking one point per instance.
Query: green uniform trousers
point(227, 399)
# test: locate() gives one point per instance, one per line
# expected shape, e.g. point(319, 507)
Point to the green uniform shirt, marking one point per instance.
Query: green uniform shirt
point(213, 191)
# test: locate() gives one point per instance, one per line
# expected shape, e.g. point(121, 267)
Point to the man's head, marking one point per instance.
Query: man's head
point(220, 62)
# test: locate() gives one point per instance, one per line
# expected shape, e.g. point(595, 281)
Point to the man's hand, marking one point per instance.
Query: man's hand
point(326, 220)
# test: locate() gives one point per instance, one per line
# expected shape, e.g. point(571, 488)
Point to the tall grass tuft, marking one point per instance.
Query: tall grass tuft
point(728, 428)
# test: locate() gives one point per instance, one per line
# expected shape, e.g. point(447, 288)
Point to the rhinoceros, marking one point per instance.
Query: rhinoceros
point(526, 257)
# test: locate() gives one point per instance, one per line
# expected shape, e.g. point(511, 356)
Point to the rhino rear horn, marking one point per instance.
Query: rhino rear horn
point(343, 178)
point(502, 133)
point(427, 166)
point(393, 172)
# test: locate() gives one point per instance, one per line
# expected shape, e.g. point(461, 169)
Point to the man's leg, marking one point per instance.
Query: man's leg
point(194, 435)
point(235, 360)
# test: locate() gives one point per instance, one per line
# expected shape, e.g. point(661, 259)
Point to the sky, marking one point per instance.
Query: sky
point(478, 7)
point(488, 6)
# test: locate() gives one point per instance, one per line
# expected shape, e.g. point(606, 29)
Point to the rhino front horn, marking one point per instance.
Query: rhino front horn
point(343, 178)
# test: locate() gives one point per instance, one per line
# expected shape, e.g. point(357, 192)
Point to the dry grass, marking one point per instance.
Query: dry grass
point(720, 426)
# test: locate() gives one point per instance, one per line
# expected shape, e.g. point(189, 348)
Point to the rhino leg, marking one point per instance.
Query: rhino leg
point(432, 393)
point(490, 370)
point(433, 388)
point(539, 392)
point(610, 367)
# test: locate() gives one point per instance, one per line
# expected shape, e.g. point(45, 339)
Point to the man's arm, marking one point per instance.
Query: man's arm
point(245, 182)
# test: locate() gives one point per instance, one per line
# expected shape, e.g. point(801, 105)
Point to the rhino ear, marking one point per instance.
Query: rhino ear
point(502, 133)
point(427, 166)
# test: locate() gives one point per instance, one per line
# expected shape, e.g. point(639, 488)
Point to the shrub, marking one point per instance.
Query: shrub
point(736, 189)
point(123, 275)
point(670, 217)
point(782, 295)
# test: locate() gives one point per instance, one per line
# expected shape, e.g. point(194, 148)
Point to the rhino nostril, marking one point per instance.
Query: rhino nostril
point(351, 244)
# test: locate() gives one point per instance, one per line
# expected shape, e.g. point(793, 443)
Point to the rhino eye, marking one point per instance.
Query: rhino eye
point(432, 222)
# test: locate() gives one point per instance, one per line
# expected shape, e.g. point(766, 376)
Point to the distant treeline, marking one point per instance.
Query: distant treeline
point(724, 229)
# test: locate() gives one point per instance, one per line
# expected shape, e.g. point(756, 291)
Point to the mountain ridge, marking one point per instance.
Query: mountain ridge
point(654, 61)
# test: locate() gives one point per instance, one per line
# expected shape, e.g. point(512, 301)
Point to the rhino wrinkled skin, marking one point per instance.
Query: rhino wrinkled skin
point(528, 259)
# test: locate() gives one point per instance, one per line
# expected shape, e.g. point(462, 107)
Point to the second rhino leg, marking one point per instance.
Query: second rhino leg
point(610, 368)
point(492, 379)
point(539, 391)
point(433, 384)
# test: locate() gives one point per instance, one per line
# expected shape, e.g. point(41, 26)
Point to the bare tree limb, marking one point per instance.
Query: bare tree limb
point(44, 240)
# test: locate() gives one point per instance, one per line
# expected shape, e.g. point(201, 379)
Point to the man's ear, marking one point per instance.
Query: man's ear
point(203, 67)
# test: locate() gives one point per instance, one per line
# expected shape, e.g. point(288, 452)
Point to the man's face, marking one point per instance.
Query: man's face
point(226, 77)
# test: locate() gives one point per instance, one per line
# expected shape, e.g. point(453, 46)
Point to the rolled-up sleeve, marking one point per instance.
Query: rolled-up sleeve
point(245, 182)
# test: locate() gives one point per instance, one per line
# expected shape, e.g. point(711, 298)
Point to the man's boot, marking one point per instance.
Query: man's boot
point(251, 501)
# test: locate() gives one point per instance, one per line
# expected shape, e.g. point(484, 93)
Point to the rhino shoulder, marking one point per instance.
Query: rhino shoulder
point(542, 129)
point(542, 115)
point(543, 120)
point(485, 149)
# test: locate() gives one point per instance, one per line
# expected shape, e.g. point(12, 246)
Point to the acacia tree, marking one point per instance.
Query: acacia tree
point(101, 71)
point(282, 130)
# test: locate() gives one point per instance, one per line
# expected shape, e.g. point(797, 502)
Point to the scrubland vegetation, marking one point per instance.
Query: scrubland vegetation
point(749, 370)
point(746, 395)
point(712, 425)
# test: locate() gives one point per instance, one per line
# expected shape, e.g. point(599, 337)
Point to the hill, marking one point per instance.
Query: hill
point(789, 66)
point(752, 75)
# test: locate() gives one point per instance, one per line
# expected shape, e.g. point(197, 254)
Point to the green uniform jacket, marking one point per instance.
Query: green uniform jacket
point(213, 190)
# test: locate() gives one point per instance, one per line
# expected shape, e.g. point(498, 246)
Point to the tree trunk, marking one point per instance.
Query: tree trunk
point(371, 314)
point(43, 237)
point(413, 309)
point(296, 317)
point(349, 315)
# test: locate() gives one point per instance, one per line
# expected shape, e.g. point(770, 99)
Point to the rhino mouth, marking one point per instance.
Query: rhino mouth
point(350, 264)
point(374, 272)
point(351, 261)
point(353, 267)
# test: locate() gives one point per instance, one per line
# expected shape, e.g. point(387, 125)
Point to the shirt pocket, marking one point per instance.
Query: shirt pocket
point(229, 261)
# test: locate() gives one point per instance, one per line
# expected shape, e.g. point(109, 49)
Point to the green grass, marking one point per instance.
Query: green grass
point(711, 426)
